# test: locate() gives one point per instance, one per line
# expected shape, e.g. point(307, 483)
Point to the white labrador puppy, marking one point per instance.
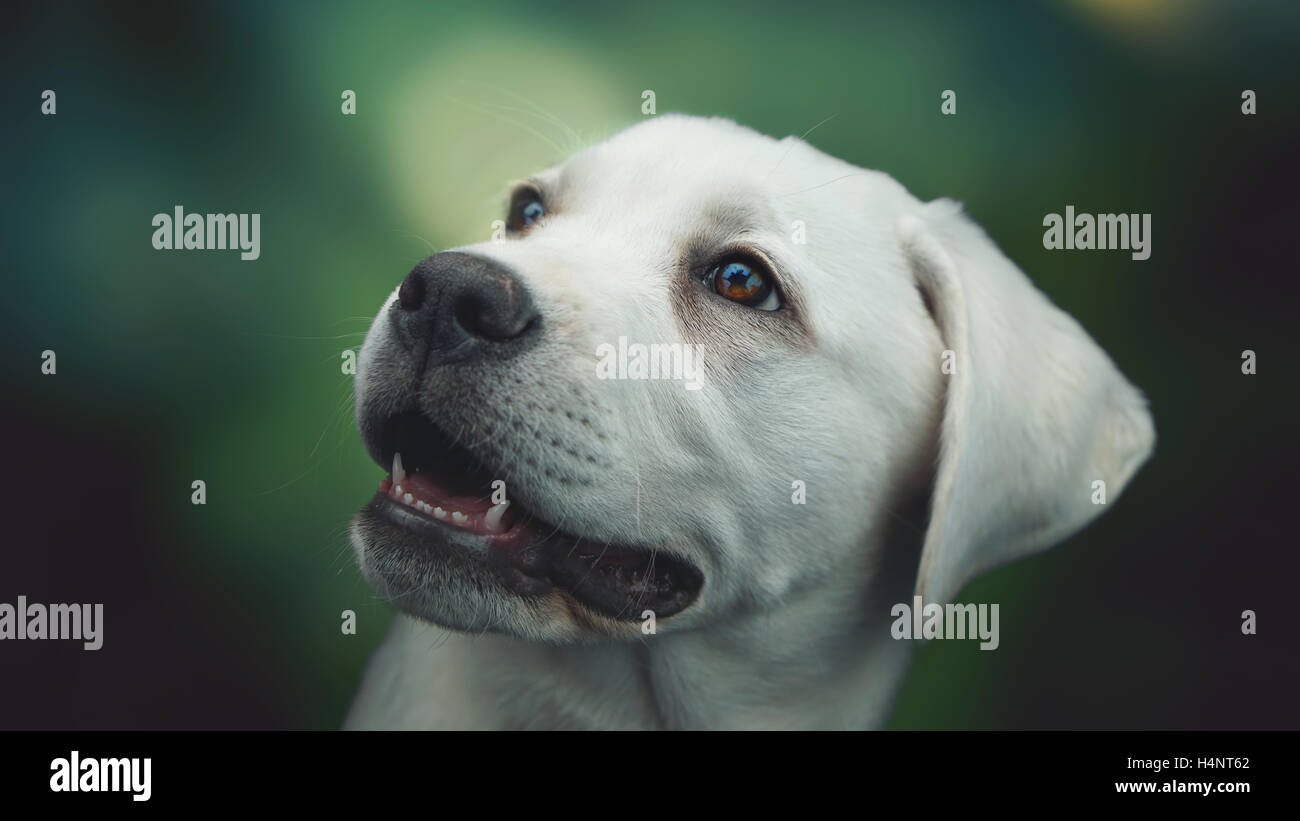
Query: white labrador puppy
point(576, 551)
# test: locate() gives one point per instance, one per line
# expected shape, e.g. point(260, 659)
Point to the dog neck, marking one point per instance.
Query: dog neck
point(766, 671)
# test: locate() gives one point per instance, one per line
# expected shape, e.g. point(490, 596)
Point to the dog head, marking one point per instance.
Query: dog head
point(701, 370)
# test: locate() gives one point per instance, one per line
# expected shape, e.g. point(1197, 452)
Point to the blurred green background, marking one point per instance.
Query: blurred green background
point(181, 366)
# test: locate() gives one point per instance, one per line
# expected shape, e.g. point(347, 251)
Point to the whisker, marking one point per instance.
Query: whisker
point(412, 235)
point(803, 136)
point(539, 135)
point(828, 182)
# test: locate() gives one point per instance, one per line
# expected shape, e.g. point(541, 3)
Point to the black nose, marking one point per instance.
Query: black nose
point(464, 307)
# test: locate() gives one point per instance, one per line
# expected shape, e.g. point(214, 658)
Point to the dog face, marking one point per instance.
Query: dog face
point(836, 339)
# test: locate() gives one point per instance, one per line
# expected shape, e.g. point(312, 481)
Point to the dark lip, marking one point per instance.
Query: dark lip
point(519, 569)
point(533, 557)
point(532, 561)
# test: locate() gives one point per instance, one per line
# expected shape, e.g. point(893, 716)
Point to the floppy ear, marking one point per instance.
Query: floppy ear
point(1035, 412)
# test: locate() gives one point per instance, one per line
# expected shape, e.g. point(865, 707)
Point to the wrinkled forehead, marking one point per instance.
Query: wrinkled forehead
point(706, 173)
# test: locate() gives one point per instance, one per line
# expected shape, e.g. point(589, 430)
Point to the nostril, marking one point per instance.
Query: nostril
point(491, 317)
point(467, 316)
point(464, 306)
point(411, 293)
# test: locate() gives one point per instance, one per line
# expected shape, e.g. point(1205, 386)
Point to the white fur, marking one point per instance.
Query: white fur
point(791, 628)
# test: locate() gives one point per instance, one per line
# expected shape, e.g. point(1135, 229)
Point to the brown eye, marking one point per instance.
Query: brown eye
point(740, 280)
point(525, 209)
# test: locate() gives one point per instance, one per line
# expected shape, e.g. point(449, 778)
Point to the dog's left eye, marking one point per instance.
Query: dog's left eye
point(742, 280)
point(526, 208)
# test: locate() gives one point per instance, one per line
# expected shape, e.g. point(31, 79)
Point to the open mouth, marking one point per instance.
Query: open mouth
point(438, 490)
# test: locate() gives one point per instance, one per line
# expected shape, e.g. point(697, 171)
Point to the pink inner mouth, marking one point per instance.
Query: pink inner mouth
point(438, 501)
point(423, 494)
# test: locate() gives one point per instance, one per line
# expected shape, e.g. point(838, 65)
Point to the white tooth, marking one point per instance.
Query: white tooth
point(408, 498)
point(398, 488)
point(493, 518)
point(439, 513)
point(398, 473)
point(459, 518)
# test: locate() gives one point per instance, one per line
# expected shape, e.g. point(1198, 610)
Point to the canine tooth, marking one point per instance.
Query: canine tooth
point(493, 518)
point(408, 498)
point(398, 473)
point(439, 513)
point(459, 518)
